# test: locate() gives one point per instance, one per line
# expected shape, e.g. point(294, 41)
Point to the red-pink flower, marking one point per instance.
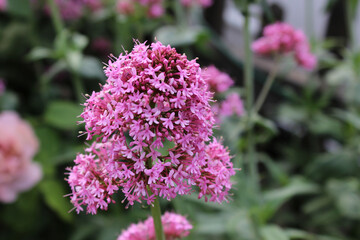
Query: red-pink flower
point(151, 121)
point(3, 5)
point(175, 226)
point(18, 146)
point(282, 38)
point(231, 105)
point(218, 81)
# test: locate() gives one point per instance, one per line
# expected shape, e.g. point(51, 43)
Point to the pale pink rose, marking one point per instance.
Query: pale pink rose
point(18, 145)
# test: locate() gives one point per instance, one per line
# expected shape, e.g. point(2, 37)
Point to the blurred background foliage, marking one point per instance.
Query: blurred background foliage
point(307, 135)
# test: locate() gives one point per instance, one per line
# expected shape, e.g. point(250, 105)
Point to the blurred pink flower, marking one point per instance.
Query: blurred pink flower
point(74, 9)
point(282, 38)
point(217, 81)
point(18, 146)
point(175, 226)
point(202, 3)
point(3, 5)
point(125, 7)
point(154, 8)
point(232, 105)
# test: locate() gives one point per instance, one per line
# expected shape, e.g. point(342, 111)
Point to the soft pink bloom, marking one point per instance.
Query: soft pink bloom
point(18, 146)
point(202, 3)
point(218, 81)
point(153, 95)
point(154, 8)
point(74, 9)
point(281, 38)
point(125, 7)
point(232, 105)
point(3, 5)
point(175, 226)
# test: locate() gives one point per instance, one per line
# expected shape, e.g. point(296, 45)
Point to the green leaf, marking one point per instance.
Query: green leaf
point(63, 115)
point(91, 68)
point(176, 36)
point(347, 196)
point(74, 60)
point(49, 149)
point(273, 232)
point(19, 8)
point(53, 193)
point(8, 101)
point(39, 53)
point(297, 186)
point(79, 41)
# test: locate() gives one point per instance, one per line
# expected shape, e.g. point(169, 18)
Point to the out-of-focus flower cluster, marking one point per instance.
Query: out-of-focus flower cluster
point(154, 8)
point(175, 226)
point(3, 5)
point(280, 38)
point(202, 3)
point(151, 121)
point(74, 9)
point(18, 145)
point(220, 82)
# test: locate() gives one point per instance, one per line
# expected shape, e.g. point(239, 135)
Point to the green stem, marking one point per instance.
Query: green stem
point(249, 85)
point(78, 86)
point(265, 90)
point(251, 153)
point(156, 214)
point(55, 16)
point(349, 22)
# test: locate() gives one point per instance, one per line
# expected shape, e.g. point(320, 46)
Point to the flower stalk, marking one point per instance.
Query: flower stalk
point(156, 214)
point(249, 85)
point(266, 88)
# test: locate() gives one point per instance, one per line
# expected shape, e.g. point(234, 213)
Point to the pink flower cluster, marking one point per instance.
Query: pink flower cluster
point(283, 38)
point(151, 120)
point(231, 105)
point(74, 9)
point(202, 3)
point(3, 5)
point(154, 8)
point(18, 146)
point(217, 81)
point(175, 226)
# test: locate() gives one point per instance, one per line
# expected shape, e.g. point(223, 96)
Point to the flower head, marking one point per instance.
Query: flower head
point(175, 227)
point(151, 121)
point(18, 146)
point(218, 81)
point(283, 38)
